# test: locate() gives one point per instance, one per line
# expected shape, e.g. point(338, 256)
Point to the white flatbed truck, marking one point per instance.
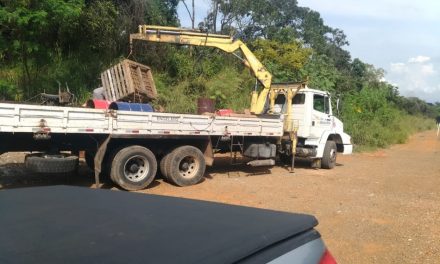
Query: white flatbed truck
point(289, 120)
point(132, 146)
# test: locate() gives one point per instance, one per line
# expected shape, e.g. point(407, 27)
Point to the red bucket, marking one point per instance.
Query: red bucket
point(224, 112)
point(98, 104)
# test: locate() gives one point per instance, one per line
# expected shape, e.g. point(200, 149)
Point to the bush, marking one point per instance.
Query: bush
point(373, 122)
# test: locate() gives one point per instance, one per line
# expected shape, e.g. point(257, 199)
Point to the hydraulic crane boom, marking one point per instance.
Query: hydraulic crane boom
point(222, 42)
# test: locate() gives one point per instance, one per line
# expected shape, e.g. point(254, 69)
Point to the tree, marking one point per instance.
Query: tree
point(284, 60)
point(31, 31)
point(321, 73)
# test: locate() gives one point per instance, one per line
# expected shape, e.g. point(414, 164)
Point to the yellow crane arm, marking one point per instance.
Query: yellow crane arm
point(222, 42)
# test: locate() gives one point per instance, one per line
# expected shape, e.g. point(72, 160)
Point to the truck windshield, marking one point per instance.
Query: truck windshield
point(297, 99)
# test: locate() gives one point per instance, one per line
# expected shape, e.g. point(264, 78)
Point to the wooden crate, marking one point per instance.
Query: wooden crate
point(129, 81)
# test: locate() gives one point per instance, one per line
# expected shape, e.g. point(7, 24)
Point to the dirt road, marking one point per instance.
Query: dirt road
point(380, 207)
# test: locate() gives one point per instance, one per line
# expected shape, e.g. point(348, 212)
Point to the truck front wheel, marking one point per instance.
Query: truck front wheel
point(133, 168)
point(185, 166)
point(329, 157)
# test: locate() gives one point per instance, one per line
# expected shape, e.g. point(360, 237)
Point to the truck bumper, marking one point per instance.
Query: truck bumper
point(348, 149)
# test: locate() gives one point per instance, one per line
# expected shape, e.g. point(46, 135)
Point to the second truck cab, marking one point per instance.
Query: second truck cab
point(320, 134)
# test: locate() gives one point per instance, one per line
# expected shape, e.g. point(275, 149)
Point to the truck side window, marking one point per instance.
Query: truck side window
point(280, 102)
point(281, 99)
point(299, 99)
point(320, 103)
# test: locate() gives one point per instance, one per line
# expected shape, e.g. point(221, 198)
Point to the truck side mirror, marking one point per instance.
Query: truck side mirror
point(337, 106)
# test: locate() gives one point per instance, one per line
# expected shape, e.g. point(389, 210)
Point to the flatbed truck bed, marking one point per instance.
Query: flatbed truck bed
point(132, 146)
point(22, 118)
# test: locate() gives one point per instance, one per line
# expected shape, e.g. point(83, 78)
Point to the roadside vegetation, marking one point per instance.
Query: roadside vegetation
point(72, 41)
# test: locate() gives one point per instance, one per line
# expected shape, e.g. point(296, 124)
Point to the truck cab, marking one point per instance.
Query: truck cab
point(320, 134)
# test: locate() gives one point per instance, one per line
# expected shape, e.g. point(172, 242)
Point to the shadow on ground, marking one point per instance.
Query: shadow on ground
point(15, 174)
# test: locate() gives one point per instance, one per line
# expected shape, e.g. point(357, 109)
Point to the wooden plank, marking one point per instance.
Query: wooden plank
point(142, 87)
point(110, 81)
point(123, 78)
point(127, 73)
point(111, 85)
point(105, 85)
point(134, 77)
point(122, 86)
point(117, 82)
point(153, 91)
point(127, 79)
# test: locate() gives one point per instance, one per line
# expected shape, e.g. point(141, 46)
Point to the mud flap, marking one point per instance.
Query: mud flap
point(208, 153)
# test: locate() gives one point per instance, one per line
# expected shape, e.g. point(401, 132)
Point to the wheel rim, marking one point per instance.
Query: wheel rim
point(53, 156)
point(188, 167)
point(136, 168)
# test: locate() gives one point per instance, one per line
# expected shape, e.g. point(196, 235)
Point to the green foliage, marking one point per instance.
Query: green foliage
point(99, 22)
point(7, 91)
point(161, 12)
point(230, 89)
point(174, 98)
point(284, 60)
point(375, 123)
point(321, 73)
point(70, 41)
point(9, 85)
point(32, 32)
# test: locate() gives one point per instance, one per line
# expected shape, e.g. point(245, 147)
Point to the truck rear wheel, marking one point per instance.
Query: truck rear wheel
point(133, 168)
point(51, 163)
point(185, 166)
point(163, 165)
point(329, 157)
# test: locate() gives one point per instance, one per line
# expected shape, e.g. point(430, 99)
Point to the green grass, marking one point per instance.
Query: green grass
point(371, 135)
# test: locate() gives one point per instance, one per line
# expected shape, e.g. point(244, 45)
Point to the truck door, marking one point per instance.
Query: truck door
point(299, 115)
point(322, 118)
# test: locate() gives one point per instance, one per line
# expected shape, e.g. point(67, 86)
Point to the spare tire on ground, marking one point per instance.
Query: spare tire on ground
point(51, 163)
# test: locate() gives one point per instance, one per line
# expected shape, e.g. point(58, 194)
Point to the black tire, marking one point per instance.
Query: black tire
point(163, 165)
point(133, 168)
point(185, 166)
point(329, 157)
point(56, 164)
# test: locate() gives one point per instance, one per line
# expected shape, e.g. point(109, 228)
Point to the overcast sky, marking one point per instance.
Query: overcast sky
point(400, 36)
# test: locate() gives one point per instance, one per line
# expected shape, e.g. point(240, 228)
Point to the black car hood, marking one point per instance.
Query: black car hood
point(76, 225)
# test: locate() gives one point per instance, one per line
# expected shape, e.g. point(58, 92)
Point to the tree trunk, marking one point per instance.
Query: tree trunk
point(191, 14)
point(193, 17)
point(27, 77)
point(214, 16)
